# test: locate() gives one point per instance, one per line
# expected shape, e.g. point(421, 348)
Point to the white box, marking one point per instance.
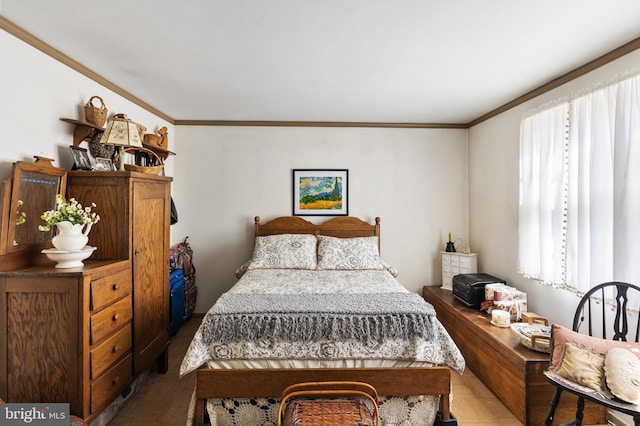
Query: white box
point(454, 263)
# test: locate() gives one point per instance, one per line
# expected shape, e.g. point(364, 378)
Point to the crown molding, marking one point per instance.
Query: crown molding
point(51, 51)
point(318, 124)
point(563, 79)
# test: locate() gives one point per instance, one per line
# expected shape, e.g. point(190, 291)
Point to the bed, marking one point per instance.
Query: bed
point(316, 303)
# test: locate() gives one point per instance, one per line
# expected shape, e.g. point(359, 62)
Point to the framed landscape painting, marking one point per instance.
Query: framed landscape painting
point(320, 192)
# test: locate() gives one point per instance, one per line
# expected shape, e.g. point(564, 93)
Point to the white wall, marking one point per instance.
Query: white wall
point(493, 188)
point(415, 180)
point(35, 92)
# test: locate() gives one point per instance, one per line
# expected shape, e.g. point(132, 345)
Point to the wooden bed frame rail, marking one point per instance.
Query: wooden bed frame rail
point(245, 383)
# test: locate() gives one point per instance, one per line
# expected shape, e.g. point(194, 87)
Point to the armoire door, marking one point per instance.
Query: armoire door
point(150, 231)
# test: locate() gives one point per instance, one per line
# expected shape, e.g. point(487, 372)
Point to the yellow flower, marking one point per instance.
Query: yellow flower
point(21, 217)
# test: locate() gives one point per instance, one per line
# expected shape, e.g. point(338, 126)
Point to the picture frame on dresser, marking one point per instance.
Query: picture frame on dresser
point(320, 192)
point(81, 160)
point(103, 165)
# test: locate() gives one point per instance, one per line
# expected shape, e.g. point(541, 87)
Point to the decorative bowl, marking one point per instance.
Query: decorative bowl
point(534, 336)
point(69, 259)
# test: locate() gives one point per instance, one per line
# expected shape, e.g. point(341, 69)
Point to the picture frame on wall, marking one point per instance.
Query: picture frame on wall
point(81, 160)
point(320, 192)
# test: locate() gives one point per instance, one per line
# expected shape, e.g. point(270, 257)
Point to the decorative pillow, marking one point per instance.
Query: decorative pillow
point(561, 335)
point(284, 251)
point(348, 253)
point(622, 371)
point(582, 366)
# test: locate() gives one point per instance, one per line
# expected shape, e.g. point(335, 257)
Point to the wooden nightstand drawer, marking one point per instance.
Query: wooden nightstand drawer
point(111, 383)
point(107, 321)
point(108, 289)
point(110, 351)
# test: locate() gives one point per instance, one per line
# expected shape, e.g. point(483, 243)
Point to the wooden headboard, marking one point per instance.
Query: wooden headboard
point(341, 227)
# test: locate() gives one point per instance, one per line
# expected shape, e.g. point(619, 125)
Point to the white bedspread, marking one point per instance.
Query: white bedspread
point(440, 350)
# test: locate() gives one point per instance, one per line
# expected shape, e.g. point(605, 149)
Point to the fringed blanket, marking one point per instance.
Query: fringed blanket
point(369, 318)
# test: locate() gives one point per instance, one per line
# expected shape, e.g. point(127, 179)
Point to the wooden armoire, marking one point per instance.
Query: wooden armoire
point(134, 222)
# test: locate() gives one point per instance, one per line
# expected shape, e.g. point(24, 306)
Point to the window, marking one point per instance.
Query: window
point(579, 212)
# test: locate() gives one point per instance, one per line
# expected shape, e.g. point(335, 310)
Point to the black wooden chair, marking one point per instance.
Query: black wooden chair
point(608, 322)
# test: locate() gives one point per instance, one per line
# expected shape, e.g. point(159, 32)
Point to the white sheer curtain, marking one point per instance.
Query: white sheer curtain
point(541, 242)
point(580, 189)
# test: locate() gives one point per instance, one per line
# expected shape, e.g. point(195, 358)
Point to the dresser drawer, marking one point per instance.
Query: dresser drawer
point(446, 269)
point(110, 351)
point(108, 289)
point(111, 383)
point(109, 320)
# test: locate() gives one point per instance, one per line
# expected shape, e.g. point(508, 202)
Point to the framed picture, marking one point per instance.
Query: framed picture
point(320, 192)
point(103, 165)
point(81, 158)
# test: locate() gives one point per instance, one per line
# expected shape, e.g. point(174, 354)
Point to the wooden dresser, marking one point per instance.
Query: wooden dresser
point(82, 335)
point(66, 335)
point(512, 372)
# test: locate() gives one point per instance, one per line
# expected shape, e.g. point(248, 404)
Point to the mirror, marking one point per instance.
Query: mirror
point(33, 191)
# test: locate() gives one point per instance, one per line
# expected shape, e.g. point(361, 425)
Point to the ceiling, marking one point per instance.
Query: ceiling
point(378, 61)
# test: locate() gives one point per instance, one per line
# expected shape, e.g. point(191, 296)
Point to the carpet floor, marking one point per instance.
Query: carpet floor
point(164, 399)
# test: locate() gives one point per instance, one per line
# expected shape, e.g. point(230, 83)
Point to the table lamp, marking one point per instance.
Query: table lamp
point(121, 132)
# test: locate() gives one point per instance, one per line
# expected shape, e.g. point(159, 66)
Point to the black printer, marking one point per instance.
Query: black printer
point(469, 288)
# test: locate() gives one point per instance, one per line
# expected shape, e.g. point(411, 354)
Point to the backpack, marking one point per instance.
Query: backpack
point(181, 257)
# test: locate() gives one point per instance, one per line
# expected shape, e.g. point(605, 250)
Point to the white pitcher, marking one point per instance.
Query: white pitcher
point(70, 236)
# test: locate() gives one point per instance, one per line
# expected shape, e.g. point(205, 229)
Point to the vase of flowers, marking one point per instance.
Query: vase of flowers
point(72, 221)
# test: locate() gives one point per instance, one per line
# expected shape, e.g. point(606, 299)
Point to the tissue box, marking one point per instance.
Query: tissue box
point(490, 289)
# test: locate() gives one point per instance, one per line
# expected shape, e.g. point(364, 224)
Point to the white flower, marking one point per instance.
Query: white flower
point(70, 211)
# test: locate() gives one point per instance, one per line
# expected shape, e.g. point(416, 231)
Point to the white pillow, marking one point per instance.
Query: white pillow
point(348, 253)
point(284, 251)
point(622, 371)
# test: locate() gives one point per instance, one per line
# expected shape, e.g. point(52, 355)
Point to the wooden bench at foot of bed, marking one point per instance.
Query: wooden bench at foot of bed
point(247, 383)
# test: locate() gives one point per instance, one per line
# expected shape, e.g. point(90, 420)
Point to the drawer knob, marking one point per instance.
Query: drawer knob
point(115, 380)
point(115, 317)
point(115, 287)
point(116, 348)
